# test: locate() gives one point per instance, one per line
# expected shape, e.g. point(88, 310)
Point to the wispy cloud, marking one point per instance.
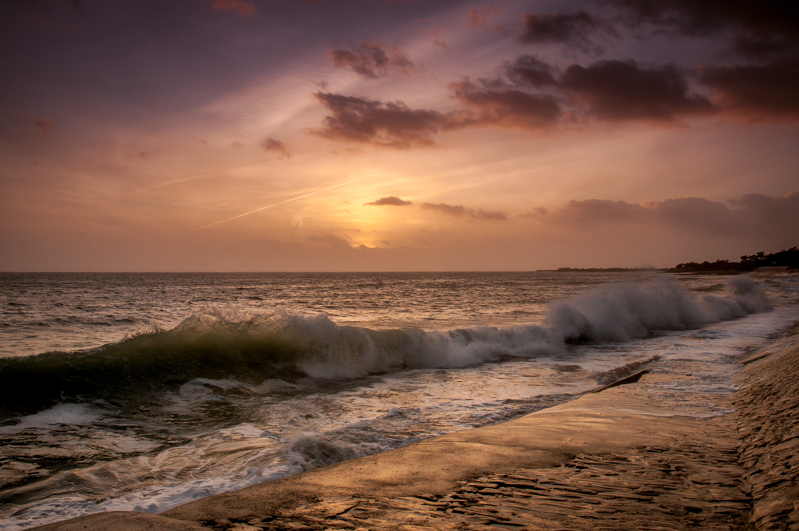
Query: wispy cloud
point(44, 125)
point(276, 146)
point(480, 18)
point(461, 211)
point(284, 202)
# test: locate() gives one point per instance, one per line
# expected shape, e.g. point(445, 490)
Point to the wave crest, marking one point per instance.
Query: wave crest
point(219, 344)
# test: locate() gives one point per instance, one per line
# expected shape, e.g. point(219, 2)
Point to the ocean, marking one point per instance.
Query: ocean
point(146, 391)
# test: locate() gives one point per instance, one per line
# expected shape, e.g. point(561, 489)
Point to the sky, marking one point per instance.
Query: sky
point(389, 135)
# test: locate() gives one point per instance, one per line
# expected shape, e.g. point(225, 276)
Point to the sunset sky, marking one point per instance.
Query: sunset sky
point(331, 135)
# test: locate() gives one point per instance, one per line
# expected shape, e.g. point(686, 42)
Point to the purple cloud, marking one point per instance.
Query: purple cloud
point(372, 60)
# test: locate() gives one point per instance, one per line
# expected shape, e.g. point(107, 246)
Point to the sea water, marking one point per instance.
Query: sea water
point(146, 391)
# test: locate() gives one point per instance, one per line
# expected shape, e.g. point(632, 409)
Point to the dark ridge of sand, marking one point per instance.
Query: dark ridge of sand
point(636, 456)
point(768, 430)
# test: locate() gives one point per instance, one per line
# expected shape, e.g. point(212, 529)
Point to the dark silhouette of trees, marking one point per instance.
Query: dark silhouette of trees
point(786, 258)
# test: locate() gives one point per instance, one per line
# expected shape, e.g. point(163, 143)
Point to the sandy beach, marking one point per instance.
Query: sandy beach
point(625, 457)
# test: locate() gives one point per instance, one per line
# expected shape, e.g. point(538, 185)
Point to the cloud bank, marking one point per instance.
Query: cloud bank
point(752, 213)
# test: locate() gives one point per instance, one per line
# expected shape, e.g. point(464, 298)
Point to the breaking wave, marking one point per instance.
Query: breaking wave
point(252, 348)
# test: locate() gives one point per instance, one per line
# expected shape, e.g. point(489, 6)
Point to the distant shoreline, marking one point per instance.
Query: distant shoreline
point(689, 270)
point(601, 269)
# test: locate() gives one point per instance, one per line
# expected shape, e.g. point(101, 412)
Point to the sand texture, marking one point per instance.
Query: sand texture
point(634, 456)
point(768, 429)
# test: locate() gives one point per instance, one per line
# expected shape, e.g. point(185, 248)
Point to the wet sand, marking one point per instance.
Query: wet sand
point(632, 456)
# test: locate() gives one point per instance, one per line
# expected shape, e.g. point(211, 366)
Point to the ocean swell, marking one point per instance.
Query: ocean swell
point(252, 348)
point(620, 312)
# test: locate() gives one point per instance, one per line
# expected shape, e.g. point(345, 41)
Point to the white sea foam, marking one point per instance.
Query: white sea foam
point(66, 414)
point(610, 314)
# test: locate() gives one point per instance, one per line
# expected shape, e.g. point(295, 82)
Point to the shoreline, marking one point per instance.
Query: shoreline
point(621, 458)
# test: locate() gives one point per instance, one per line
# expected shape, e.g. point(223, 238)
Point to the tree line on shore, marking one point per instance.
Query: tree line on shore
point(785, 258)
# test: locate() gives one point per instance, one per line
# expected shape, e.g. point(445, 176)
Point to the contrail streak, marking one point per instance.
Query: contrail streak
point(283, 202)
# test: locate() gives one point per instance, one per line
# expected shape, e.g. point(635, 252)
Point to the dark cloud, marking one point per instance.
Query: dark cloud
point(391, 125)
point(44, 125)
point(759, 92)
point(534, 97)
point(372, 60)
point(270, 144)
point(462, 211)
point(616, 90)
point(561, 28)
point(528, 70)
point(389, 201)
point(242, 8)
point(622, 90)
point(506, 107)
point(753, 214)
point(760, 28)
point(605, 90)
